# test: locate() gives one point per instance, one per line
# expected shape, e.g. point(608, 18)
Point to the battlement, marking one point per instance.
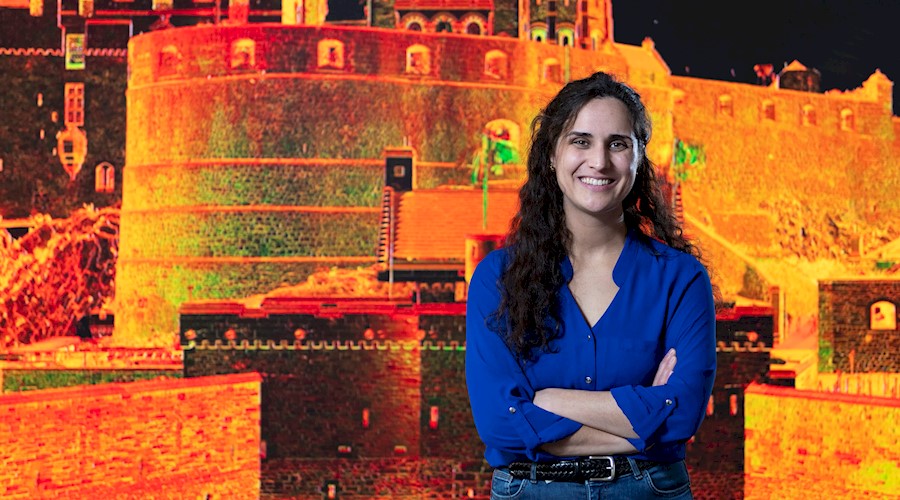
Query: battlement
point(325, 345)
point(387, 345)
point(338, 52)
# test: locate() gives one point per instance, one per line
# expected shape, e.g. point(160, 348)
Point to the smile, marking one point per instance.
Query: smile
point(596, 182)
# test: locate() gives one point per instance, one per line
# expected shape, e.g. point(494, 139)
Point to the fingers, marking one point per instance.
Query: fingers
point(665, 369)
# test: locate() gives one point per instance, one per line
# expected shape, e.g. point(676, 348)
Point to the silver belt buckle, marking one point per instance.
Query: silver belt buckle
point(612, 468)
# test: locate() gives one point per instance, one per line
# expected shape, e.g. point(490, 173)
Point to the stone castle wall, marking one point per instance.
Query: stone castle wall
point(241, 171)
point(782, 187)
point(847, 341)
point(149, 439)
point(791, 451)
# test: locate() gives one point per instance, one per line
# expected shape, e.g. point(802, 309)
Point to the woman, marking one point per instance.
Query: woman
point(575, 328)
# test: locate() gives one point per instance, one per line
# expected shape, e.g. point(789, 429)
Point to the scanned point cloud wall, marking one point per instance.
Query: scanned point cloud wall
point(170, 438)
point(235, 171)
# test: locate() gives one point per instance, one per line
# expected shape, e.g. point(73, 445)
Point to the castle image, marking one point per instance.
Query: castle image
point(257, 153)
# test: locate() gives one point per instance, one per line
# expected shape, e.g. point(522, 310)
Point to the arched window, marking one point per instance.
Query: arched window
point(883, 316)
point(496, 64)
point(243, 54)
point(848, 122)
point(808, 115)
point(474, 24)
point(104, 178)
point(413, 22)
point(538, 33)
point(331, 54)
point(418, 60)
point(726, 105)
point(768, 110)
point(565, 37)
point(169, 61)
point(443, 23)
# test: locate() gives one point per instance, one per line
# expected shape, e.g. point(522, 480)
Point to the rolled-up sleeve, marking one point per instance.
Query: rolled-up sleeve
point(500, 395)
point(672, 413)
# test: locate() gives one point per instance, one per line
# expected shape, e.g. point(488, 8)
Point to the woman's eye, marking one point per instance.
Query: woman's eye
point(618, 145)
point(580, 142)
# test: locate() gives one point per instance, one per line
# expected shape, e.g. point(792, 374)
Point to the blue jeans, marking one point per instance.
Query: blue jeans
point(661, 481)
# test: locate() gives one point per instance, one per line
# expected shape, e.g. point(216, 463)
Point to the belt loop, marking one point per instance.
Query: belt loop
point(635, 470)
point(533, 472)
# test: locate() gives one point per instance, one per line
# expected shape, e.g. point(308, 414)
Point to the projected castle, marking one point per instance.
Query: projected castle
point(267, 144)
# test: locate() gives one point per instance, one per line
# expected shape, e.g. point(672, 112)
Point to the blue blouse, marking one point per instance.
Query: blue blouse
point(664, 300)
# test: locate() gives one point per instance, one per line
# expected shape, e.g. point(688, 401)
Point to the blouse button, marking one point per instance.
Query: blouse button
point(668, 402)
point(588, 380)
point(512, 410)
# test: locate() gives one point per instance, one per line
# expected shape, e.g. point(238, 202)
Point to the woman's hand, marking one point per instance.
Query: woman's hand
point(665, 369)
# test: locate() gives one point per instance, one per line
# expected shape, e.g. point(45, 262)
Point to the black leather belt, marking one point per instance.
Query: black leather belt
point(606, 468)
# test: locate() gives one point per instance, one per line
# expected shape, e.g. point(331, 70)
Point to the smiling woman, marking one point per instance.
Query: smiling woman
point(590, 338)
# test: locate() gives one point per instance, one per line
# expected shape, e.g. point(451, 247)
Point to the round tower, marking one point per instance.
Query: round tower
point(254, 153)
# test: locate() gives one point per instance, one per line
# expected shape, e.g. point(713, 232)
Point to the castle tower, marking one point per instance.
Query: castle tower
point(579, 23)
point(254, 153)
point(594, 23)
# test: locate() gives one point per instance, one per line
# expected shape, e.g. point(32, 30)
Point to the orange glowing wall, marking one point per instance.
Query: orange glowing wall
point(169, 438)
point(768, 176)
point(801, 444)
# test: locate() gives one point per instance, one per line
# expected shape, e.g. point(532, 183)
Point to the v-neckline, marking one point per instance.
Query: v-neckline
point(581, 312)
point(617, 278)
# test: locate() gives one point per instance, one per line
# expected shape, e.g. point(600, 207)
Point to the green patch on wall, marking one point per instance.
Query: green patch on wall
point(32, 380)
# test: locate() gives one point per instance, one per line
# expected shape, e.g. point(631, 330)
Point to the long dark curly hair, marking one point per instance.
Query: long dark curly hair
point(538, 239)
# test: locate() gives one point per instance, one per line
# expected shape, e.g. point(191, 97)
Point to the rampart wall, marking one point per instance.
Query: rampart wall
point(791, 450)
point(805, 182)
point(160, 439)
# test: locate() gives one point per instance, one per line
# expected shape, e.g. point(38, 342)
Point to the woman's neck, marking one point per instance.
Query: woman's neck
point(594, 237)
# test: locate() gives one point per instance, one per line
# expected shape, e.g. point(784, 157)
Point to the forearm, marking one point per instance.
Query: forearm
point(589, 441)
point(596, 409)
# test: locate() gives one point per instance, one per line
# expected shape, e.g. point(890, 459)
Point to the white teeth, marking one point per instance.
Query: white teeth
point(596, 182)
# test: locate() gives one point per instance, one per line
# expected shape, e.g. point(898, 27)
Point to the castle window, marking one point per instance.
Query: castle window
point(243, 54)
point(474, 24)
point(331, 54)
point(538, 34)
point(768, 110)
point(169, 61)
point(710, 406)
point(496, 64)
point(443, 23)
point(848, 123)
point(413, 22)
point(565, 37)
point(418, 60)
point(74, 104)
point(552, 71)
point(883, 316)
point(726, 105)
point(733, 407)
point(808, 115)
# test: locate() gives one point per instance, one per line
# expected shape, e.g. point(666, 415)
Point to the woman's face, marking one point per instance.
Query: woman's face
point(596, 160)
